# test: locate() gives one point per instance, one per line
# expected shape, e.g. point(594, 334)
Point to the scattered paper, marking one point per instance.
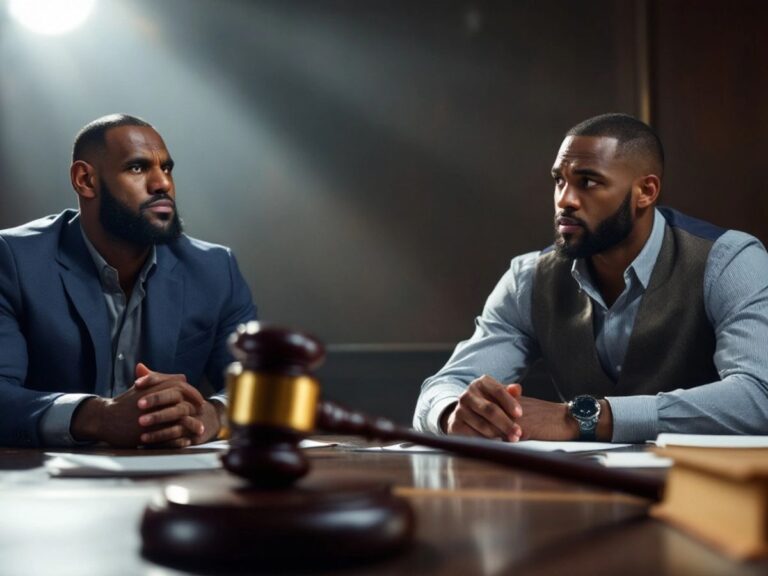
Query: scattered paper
point(536, 445)
point(633, 460)
point(224, 445)
point(91, 465)
point(548, 446)
point(711, 441)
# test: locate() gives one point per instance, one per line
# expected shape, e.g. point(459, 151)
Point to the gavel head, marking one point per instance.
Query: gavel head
point(272, 402)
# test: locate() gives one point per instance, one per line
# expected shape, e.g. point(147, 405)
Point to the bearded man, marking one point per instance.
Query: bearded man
point(110, 316)
point(647, 320)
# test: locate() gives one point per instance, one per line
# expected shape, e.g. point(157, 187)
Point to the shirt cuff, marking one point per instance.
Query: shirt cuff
point(54, 426)
point(436, 412)
point(222, 398)
point(635, 418)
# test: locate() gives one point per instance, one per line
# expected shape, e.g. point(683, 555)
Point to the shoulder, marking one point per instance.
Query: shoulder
point(40, 229)
point(737, 251)
point(519, 277)
point(701, 229)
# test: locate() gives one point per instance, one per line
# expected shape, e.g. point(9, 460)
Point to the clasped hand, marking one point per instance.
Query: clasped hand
point(159, 410)
point(490, 409)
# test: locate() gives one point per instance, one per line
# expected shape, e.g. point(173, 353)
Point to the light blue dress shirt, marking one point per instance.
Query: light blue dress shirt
point(736, 299)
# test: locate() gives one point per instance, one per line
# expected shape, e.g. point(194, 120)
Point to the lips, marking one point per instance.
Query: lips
point(161, 206)
point(566, 225)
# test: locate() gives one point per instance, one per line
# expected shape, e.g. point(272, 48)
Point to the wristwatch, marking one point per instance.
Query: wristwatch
point(586, 411)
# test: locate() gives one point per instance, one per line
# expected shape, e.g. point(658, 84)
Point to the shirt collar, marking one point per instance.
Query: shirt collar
point(641, 267)
point(108, 275)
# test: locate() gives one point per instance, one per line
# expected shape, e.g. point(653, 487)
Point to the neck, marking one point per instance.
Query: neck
point(126, 258)
point(608, 267)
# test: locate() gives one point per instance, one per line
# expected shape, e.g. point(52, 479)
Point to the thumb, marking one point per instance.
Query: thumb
point(141, 370)
point(515, 390)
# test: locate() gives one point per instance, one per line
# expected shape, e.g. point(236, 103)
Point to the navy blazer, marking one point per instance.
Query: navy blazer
point(54, 327)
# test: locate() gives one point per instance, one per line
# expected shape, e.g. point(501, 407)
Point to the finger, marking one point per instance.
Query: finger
point(163, 434)
point(473, 409)
point(160, 392)
point(155, 378)
point(497, 393)
point(141, 370)
point(170, 414)
point(515, 390)
point(164, 397)
point(193, 425)
point(479, 426)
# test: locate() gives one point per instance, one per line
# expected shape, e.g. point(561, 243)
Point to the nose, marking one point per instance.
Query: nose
point(566, 197)
point(160, 181)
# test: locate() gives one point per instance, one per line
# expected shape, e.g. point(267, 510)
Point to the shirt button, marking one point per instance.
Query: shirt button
point(120, 356)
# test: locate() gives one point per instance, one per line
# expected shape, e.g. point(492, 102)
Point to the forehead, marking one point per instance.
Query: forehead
point(596, 152)
point(128, 141)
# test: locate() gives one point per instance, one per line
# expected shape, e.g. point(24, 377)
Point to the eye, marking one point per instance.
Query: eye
point(588, 183)
point(135, 168)
point(559, 181)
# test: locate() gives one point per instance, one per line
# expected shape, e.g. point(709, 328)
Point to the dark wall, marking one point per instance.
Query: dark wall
point(376, 164)
point(711, 109)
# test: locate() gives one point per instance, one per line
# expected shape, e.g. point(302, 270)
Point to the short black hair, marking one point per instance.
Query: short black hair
point(92, 135)
point(635, 137)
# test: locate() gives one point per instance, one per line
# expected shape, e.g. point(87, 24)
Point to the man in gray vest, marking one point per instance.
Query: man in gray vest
point(647, 320)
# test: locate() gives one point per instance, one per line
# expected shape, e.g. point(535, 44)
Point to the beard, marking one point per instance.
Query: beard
point(610, 232)
point(119, 221)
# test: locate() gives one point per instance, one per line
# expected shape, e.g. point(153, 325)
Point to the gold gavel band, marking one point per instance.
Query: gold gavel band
point(274, 399)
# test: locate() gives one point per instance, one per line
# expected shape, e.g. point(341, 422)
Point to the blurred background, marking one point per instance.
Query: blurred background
point(375, 164)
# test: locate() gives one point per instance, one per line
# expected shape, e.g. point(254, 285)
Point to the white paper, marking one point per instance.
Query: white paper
point(536, 445)
point(633, 460)
point(711, 441)
point(548, 446)
point(224, 445)
point(88, 465)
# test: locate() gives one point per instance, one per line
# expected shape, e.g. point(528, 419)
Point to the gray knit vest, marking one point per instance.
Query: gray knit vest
point(672, 342)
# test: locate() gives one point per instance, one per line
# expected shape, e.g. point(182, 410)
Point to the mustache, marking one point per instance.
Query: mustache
point(156, 199)
point(571, 219)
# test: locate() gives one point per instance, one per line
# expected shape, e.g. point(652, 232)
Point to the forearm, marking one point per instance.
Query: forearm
point(738, 404)
point(55, 427)
point(87, 420)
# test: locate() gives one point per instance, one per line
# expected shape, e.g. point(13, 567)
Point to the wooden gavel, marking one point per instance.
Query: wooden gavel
point(274, 401)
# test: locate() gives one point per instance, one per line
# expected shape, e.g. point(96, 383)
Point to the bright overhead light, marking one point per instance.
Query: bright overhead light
point(51, 16)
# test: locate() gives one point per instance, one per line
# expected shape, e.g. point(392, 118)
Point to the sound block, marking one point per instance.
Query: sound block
point(223, 523)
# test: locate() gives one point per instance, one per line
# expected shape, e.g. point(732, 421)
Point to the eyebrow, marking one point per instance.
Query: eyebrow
point(588, 172)
point(146, 161)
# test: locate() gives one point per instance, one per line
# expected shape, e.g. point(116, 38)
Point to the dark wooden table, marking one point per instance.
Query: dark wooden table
point(472, 518)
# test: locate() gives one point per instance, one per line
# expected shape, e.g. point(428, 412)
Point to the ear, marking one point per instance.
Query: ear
point(649, 188)
point(83, 177)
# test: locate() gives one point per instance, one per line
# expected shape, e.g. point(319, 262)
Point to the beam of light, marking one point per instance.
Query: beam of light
point(51, 17)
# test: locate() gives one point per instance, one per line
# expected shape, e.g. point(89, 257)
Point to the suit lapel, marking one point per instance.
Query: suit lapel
point(162, 313)
point(81, 282)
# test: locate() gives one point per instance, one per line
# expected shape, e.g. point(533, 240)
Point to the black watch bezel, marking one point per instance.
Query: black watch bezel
point(585, 409)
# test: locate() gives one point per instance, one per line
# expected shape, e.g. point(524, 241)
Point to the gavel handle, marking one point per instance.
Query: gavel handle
point(338, 420)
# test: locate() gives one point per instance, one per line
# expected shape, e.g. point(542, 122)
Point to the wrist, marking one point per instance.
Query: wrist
point(571, 426)
point(444, 415)
point(605, 423)
point(218, 418)
point(86, 424)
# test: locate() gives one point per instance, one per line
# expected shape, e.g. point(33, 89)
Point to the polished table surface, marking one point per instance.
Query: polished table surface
point(472, 518)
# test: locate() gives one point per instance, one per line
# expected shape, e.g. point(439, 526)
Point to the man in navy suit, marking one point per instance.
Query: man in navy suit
point(111, 317)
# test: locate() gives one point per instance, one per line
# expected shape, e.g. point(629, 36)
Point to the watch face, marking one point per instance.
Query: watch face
point(584, 407)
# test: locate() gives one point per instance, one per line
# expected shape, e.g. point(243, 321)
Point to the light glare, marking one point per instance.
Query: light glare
point(51, 16)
